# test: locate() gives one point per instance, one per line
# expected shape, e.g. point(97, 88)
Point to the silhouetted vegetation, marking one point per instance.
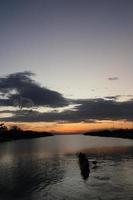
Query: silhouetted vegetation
point(118, 133)
point(15, 133)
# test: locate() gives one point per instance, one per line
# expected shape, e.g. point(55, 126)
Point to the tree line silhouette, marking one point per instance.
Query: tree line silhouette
point(15, 133)
point(118, 133)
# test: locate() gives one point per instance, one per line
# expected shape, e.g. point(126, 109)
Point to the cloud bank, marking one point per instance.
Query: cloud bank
point(20, 86)
point(88, 110)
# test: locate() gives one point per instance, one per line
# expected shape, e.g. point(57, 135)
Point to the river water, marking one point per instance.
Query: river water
point(49, 168)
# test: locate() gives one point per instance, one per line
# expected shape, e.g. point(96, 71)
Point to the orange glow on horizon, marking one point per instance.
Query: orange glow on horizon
point(71, 127)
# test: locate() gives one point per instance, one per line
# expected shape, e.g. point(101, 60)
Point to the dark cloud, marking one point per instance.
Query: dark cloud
point(101, 109)
point(88, 110)
point(21, 90)
point(113, 78)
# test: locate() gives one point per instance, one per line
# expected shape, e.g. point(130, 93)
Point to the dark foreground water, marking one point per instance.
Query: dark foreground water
point(48, 168)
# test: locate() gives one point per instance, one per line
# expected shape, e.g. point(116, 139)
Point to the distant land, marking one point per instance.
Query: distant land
point(117, 133)
point(16, 133)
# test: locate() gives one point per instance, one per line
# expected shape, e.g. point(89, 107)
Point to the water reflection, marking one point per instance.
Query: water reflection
point(48, 169)
point(25, 177)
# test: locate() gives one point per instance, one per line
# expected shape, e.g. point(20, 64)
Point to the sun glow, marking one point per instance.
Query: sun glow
point(66, 128)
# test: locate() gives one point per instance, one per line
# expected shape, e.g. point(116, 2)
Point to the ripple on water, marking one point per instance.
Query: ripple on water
point(34, 171)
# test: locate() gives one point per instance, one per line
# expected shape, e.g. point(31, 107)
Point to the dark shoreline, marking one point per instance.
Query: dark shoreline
point(118, 133)
point(20, 135)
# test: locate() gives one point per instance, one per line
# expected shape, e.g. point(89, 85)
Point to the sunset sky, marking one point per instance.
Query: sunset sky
point(66, 65)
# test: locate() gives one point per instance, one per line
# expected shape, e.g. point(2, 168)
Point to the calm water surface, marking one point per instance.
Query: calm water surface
point(48, 168)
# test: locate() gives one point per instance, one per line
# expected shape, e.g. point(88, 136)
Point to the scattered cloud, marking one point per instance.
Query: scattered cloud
point(113, 78)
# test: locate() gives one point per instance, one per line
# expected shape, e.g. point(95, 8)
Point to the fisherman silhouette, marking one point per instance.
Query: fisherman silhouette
point(84, 165)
